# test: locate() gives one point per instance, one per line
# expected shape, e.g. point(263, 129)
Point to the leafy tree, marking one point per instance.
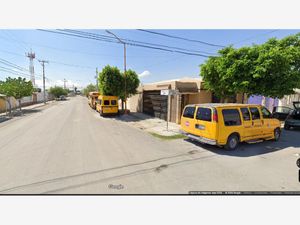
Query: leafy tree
point(110, 81)
point(132, 83)
point(89, 88)
point(271, 69)
point(57, 91)
point(17, 88)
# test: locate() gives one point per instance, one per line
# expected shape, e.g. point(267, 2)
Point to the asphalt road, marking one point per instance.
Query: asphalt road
point(67, 148)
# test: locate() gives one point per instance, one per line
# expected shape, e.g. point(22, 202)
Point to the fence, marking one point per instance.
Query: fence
point(28, 100)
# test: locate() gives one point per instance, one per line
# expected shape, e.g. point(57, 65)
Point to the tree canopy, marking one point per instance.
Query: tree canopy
point(89, 88)
point(16, 87)
point(132, 83)
point(271, 69)
point(110, 81)
point(58, 91)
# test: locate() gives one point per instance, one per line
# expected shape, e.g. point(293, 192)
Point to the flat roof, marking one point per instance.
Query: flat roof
point(223, 105)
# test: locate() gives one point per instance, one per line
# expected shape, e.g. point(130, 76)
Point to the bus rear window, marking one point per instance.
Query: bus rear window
point(106, 102)
point(113, 102)
point(189, 112)
point(203, 114)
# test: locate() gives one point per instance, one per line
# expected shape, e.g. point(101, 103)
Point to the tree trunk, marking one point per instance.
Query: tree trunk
point(243, 98)
point(122, 103)
point(20, 106)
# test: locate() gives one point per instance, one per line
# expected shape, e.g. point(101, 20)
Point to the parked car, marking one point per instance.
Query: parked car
point(281, 112)
point(293, 119)
point(229, 124)
point(62, 98)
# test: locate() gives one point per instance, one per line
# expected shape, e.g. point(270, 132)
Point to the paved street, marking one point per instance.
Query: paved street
point(66, 147)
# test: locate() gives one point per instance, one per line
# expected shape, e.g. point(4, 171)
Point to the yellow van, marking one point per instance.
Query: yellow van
point(228, 124)
point(92, 97)
point(107, 105)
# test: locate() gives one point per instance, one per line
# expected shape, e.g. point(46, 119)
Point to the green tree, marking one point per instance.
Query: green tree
point(89, 88)
point(17, 88)
point(132, 83)
point(57, 91)
point(271, 69)
point(110, 81)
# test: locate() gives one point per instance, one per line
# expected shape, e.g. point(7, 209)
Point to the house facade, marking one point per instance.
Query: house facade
point(185, 91)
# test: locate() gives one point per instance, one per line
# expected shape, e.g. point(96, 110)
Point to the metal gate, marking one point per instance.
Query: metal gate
point(155, 104)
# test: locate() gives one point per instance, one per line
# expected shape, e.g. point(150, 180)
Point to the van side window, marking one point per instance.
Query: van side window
point(203, 114)
point(245, 113)
point(231, 117)
point(255, 113)
point(265, 113)
point(189, 112)
point(113, 102)
point(106, 102)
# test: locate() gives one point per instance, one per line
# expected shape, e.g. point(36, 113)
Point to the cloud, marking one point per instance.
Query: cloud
point(144, 74)
point(60, 83)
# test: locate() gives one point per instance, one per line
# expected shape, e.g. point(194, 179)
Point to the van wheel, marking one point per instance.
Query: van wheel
point(276, 134)
point(232, 142)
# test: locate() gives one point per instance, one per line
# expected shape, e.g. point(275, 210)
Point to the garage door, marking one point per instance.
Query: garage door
point(155, 104)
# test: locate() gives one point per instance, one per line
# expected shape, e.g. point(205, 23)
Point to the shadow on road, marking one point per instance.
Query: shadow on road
point(17, 114)
point(20, 187)
point(4, 118)
point(133, 117)
point(288, 139)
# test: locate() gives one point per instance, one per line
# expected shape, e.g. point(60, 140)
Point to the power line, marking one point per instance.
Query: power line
point(132, 41)
point(255, 36)
point(13, 71)
point(132, 44)
point(181, 38)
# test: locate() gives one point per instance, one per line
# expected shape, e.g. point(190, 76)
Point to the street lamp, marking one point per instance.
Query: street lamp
point(124, 43)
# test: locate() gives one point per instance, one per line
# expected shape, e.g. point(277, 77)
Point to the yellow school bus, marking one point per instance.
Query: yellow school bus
point(228, 124)
point(107, 105)
point(92, 99)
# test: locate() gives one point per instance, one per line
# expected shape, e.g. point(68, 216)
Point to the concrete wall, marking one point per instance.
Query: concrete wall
point(202, 97)
point(135, 103)
point(28, 100)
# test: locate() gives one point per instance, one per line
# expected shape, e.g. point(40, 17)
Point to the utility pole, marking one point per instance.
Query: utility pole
point(64, 83)
point(44, 87)
point(124, 43)
point(96, 77)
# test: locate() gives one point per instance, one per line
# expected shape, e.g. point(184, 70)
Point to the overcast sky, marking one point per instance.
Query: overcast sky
point(75, 59)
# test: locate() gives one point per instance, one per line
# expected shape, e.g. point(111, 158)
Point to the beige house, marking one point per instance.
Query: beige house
point(187, 91)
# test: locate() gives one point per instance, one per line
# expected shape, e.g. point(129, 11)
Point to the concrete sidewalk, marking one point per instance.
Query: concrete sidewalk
point(150, 124)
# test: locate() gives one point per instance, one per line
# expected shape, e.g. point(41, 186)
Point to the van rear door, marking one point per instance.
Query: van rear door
point(205, 126)
point(187, 119)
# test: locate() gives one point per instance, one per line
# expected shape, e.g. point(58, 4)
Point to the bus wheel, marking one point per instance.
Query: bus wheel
point(232, 142)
